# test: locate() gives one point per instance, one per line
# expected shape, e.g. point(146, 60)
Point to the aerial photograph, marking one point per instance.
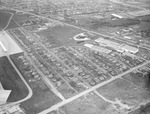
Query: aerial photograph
point(74, 56)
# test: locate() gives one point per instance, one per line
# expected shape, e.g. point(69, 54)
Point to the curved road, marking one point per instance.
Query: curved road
point(20, 75)
point(54, 107)
point(8, 21)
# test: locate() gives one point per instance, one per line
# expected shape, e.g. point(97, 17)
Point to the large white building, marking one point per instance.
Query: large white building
point(97, 48)
point(120, 47)
point(4, 94)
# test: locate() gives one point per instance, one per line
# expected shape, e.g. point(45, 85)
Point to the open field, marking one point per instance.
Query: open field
point(88, 104)
point(12, 25)
point(11, 81)
point(4, 18)
point(21, 16)
point(60, 34)
point(139, 79)
point(126, 92)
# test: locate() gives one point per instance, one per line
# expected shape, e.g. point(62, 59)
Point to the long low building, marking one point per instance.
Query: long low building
point(117, 46)
point(109, 43)
point(129, 49)
point(97, 48)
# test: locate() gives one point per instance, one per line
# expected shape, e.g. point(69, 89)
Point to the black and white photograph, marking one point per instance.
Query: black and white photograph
point(74, 56)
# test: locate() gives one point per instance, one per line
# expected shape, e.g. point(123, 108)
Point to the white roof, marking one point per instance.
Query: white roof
point(97, 48)
point(4, 94)
point(130, 48)
point(107, 42)
point(116, 15)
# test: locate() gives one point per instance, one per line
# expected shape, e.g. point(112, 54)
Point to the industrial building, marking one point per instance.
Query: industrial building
point(116, 46)
point(97, 48)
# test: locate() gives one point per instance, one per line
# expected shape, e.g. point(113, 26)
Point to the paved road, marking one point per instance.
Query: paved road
point(90, 90)
point(9, 21)
point(20, 75)
point(45, 79)
point(29, 88)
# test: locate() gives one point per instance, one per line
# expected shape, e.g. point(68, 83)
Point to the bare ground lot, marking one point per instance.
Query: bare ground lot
point(11, 81)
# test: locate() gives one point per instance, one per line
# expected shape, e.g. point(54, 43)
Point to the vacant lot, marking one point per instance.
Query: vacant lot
point(88, 104)
point(125, 91)
point(11, 81)
point(138, 79)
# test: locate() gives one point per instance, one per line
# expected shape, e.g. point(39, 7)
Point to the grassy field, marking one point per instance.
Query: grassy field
point(60, 34)
point(4, 18)
point(125, 91)
point(11, 81)
point(12, 25)
point(41, 100)
point(138, 79)
point(88, 104)
point(21, 17)
point(143, 82)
